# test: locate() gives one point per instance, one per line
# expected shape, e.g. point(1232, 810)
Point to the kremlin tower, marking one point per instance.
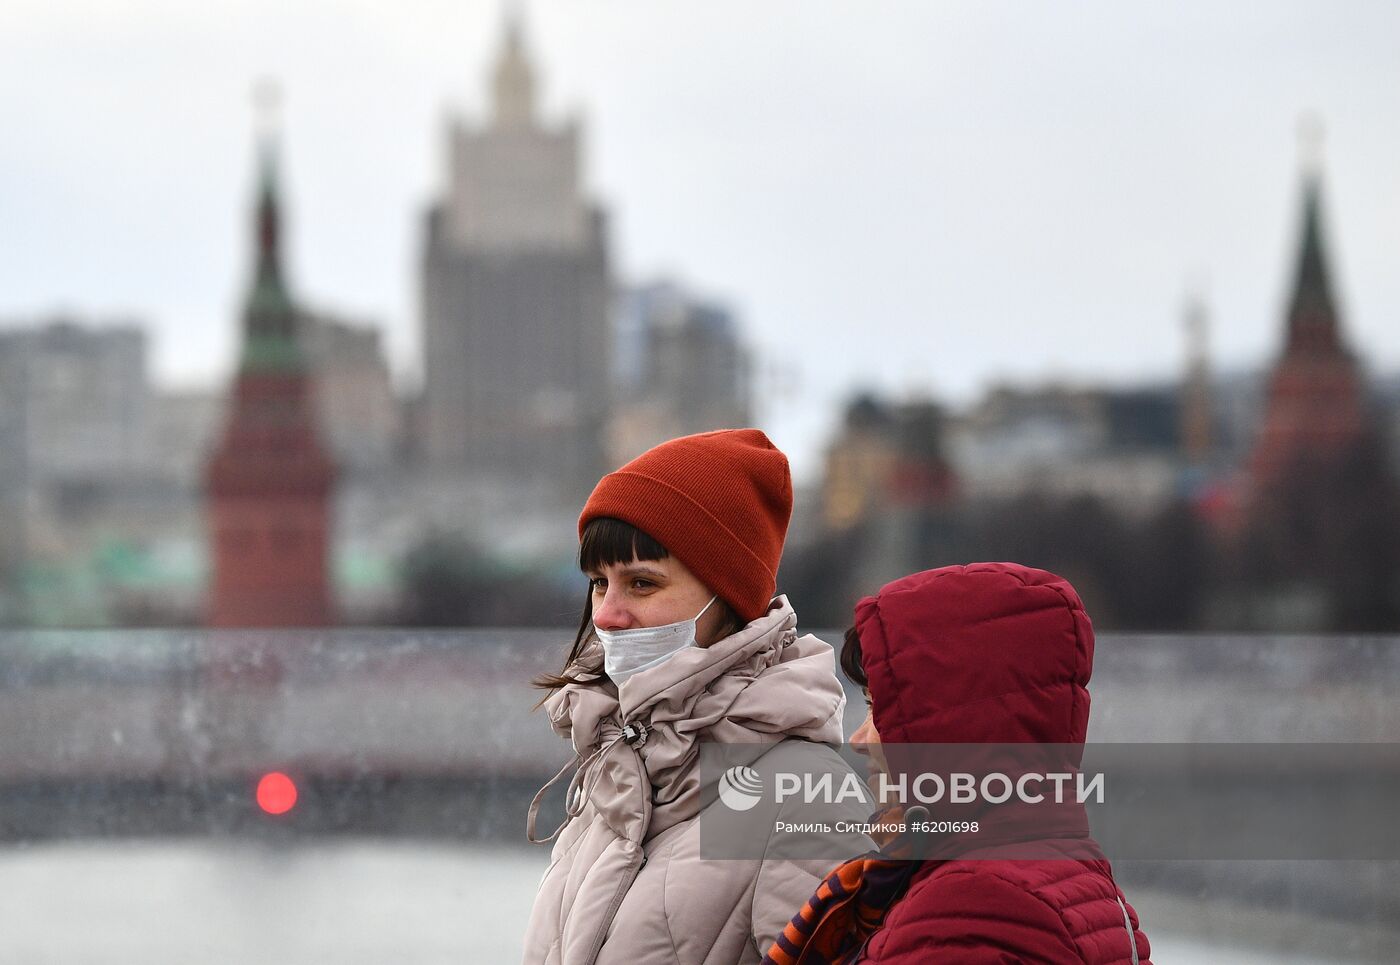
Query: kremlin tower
point(269, 479)
point(1319, 548)
point(1315, 407)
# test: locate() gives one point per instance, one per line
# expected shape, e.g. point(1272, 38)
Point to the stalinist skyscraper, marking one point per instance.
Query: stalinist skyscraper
point(515, 298)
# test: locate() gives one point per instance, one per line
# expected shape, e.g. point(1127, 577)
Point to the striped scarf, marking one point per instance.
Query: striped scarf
point(851, 903)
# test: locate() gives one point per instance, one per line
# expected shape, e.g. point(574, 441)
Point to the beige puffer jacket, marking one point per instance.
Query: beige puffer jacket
point(627, 885)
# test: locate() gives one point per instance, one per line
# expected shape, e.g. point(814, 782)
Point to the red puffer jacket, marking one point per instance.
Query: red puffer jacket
point(992, 653)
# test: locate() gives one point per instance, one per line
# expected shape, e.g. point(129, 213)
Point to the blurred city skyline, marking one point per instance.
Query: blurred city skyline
point(905, 197)
point(1076, 285)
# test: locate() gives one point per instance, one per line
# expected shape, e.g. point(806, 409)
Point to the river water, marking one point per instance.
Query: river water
point(327, 902)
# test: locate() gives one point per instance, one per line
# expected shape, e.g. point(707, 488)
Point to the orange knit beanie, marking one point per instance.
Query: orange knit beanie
point(718, 501)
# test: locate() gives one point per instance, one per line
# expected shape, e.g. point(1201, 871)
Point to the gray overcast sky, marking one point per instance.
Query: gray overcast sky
point(912, 195)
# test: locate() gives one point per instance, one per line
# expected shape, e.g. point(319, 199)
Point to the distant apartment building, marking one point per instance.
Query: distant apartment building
point(888, 456)
point(356, 406)
point(82, 480)
point(888, 493)
point(182, 427)
point(679, 368)
point(1120, 445)
point(75, 401)
point(74, 410)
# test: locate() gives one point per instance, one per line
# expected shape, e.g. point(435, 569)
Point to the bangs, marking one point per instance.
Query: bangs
point(607, 541)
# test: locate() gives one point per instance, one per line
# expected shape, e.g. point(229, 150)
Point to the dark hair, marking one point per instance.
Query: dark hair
point(851, 658)
point(607, 541)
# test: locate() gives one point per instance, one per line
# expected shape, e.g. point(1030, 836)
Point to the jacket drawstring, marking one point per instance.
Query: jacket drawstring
point(576, 797)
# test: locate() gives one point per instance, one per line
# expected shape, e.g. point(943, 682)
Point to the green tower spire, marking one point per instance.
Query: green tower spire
point(270, 318)
point(1312, 312)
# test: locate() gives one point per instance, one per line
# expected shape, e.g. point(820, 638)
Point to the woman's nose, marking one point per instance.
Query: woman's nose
point(610, 613)
point(863, 735)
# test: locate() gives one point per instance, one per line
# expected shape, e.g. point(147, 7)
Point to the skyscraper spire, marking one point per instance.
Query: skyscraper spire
point(514, 84)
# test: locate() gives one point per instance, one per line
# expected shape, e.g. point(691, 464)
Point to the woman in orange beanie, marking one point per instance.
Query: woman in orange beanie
point(682, 641)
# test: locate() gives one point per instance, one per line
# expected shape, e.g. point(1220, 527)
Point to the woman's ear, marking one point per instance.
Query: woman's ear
point(725, 623)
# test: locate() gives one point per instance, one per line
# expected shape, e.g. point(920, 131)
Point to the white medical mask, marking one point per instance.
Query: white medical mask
point(626, 652)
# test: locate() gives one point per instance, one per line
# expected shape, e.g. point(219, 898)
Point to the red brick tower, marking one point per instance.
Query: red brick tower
point(1315, 411)
point(269, 480)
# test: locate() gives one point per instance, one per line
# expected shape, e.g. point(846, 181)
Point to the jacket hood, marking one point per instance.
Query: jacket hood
point(982, 653)
point(988, 654)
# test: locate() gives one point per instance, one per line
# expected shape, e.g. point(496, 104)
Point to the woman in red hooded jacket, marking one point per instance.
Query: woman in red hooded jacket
point(983, 654)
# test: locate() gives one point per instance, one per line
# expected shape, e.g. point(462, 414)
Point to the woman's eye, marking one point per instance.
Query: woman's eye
point(597, 584)
point(641, 584)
